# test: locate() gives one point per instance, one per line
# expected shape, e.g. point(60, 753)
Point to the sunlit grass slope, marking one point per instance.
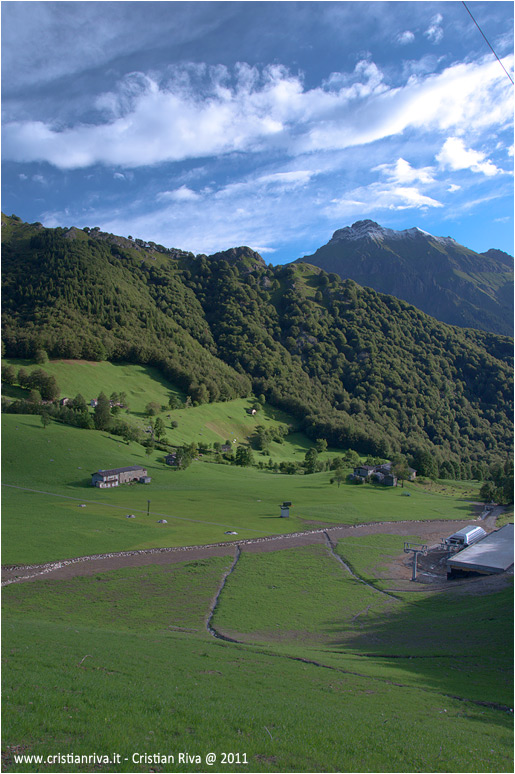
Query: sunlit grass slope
point(142, 384)
point(200, 503)
point(208, 423)
point(151, 598)
point(298, 595)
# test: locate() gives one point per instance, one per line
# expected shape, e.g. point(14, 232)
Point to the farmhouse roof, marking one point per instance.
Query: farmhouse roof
point(113, 471)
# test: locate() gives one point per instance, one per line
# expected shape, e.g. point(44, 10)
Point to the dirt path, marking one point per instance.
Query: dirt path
point(430, 531)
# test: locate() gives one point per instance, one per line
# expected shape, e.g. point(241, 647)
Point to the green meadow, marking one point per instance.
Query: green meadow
point(121, 662)
point(47, 476)
point(328, 672)
point(142, 384)
point(208, 423)
point(295, 595)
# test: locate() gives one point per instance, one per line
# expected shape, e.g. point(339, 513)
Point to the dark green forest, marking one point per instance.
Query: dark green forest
point(359, 368)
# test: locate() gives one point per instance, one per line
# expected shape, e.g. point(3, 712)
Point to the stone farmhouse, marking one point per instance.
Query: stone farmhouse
point(382, 473)
point(105, 479)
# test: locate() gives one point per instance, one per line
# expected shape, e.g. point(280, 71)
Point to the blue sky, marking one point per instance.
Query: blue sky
point(207, 125)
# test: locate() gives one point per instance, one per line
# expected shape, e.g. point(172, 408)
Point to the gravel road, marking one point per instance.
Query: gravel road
point(430, 531)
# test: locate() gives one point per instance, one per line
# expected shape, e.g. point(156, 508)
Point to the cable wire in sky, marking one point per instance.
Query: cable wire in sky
point(486, 39)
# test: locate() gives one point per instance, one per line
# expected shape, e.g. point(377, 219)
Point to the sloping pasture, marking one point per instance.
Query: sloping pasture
point(118, 662)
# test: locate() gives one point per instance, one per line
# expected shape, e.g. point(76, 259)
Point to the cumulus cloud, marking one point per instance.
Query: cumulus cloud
point(402, 172)
point(454, 155)
point(434, 32)
point(464, 96)
point(406, 37)
point(197, 111)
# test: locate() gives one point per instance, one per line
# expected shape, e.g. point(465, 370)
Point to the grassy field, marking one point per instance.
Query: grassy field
point(329, 674)
point(52, 468)
point(150, 598)
point(208, 423)
point(297, 595)
point(142, 384)
point(117, 663)
point(505, 518)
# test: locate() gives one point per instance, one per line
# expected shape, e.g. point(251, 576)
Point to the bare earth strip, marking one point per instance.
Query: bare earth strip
point(430, 531)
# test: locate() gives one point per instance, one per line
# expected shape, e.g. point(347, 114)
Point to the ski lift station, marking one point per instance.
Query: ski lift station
point(466, 536)
point(488, 555)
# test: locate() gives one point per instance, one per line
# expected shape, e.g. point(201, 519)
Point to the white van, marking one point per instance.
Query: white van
point(466, 536)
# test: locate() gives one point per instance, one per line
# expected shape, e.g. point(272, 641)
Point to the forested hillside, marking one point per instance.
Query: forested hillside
point(361, 369)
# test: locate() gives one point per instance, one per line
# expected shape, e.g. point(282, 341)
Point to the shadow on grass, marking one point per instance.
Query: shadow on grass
point(17, 393)
point(459, 644)
point(152, 373)
point(83, 483)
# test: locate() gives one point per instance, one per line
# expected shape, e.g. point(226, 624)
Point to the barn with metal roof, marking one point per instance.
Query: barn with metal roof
point(491, 555)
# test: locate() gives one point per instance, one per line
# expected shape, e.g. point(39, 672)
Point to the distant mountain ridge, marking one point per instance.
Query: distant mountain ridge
point(436, 274)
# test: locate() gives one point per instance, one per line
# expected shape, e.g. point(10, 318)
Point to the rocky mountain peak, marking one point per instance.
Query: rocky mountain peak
point(362, 229)
point(369, 229)
point(435, 274)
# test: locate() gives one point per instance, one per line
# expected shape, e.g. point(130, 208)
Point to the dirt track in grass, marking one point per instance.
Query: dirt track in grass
point(430, 531)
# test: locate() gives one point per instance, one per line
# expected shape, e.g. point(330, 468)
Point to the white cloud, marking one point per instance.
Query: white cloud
point(403, 198)
point(377, 196)
point(286, 180)
point(453, 188)
point(404, 38)
point(434, 32)
point(201, 112)
point(464, 207)
point(465, 97)
point(262, 211)
point(454, 155)
point(402, 172)
point(182, 194)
